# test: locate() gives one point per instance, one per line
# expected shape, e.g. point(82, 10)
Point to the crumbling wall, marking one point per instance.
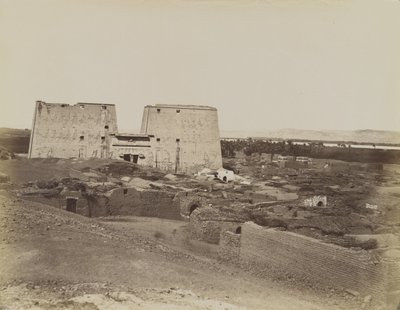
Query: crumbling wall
point(281, 254)
point(117, 201)
point(98, 206)
point(59, 201)
point(207, 224)
point(295, 164)
point(65, 131)
point(208, 231)
point(316, 201)
point(154, 203)
point(187, 137)
point(229, 247)
point(188, 202)
point(4, 178)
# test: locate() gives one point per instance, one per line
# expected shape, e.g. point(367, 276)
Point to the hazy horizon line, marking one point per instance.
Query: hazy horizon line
point(127, 130)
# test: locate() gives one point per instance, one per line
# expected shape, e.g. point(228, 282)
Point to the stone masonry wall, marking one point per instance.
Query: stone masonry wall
point(153, 203)
point(66, 131)
point(281, 254)
point(186, 137)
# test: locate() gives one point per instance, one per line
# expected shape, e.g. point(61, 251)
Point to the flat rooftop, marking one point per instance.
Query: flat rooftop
point(181, 106)
point(90, 103)
point(76, 104)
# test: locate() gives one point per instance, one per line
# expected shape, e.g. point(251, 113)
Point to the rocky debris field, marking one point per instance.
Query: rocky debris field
point(52, 259)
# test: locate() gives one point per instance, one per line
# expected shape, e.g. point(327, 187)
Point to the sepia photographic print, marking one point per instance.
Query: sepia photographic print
point(198, 154)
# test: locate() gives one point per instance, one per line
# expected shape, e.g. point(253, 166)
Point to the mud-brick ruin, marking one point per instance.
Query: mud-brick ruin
point(177, 138)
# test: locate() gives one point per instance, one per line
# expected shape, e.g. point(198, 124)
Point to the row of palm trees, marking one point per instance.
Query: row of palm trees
point(251, 146)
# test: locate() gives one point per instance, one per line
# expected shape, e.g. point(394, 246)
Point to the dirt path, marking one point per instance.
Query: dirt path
point(51, 259)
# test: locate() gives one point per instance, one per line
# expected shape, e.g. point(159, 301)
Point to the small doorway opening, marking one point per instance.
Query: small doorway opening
point(71, 204)
point(131, 158)
point(238, 230)
point(192, 208)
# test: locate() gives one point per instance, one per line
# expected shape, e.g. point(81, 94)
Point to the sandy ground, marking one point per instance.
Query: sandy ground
point(52, 259)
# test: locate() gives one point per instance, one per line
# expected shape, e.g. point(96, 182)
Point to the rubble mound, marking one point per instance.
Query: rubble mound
point(4, 178)
point(124, 168)
point(6, 154)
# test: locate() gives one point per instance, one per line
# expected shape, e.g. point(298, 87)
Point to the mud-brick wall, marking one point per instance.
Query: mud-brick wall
point(282, 254)
point(189, 201)
point(154, 203)
point(65, 131)
point(60, 202)
point(206, 224)
point(98, 206)
point(392, 269)
point(229, 247)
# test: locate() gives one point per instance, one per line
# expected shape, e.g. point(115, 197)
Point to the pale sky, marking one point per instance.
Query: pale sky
point(264, 64)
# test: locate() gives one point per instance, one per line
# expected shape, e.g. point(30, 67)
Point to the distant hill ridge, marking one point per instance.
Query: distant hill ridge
point(14, 132)
point(15, 140)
